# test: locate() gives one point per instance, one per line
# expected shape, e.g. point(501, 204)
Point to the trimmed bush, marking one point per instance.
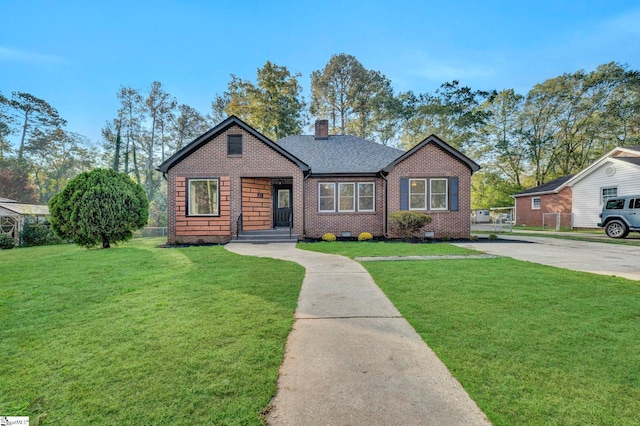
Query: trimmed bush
point(493, 237)
point(6, 242)
point(37, 234)
point(365, 236)
point(99, 207)
point(407, 224)
point(329, 237)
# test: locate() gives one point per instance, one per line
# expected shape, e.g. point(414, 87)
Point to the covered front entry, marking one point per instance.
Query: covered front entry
point(266, 203)
point(267, 211)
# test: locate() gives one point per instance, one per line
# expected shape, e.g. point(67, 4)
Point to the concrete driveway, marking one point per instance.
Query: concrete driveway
point(598, 258)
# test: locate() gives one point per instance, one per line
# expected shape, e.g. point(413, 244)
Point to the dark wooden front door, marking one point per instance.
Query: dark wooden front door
point(282, 205)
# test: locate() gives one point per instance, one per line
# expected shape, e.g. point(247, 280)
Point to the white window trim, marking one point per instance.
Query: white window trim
point(446, 193)
point(374, 197)
point(425, 194)
point(533, 205)
point(602, 199)
point(189, 201)
point(341, 184)
point(320, 184)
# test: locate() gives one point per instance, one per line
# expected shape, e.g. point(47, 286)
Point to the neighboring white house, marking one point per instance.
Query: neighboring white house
point(615, 173)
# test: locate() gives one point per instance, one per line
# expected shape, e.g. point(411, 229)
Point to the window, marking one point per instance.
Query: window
point(203, 197)
point(634, 204)
point(326, 197)
point(535, 203)
point(366, 197)
point(351, 197)
point(417, 194)
point(284, 202)
point(234, 145)
point(347, 199)
point(438, 198)
point(608, 193)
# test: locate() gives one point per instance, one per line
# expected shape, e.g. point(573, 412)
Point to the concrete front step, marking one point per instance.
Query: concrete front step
point(277, 235)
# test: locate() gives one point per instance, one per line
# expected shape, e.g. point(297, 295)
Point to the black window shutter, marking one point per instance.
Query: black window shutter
point(404, 194)
point(453, 194)
point(234, 145)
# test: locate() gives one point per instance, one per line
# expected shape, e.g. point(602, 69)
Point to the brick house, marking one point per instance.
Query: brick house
point(234, 180)
point(551, 197)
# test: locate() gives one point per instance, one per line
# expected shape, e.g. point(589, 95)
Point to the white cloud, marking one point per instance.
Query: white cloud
point(14, 55)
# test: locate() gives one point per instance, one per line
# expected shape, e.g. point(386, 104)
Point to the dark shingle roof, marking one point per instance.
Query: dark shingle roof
point(632, 148)
point(340, 153)
point(545, 187)
point(632, 160)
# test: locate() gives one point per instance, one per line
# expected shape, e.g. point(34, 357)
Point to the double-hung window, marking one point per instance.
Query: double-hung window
point(438, 194)
point(366, 197)
point(417, 194)
point(326, 197)
point(608, 193)
point(203, 197)
point(347, 197)
point(535, 203)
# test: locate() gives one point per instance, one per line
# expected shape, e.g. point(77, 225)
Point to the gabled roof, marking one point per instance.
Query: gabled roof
point(545, 188)
point(7, 200)
point(633, 150)
point(433, 139)
point(340, 154)
point(26, 209)
point(215, 131)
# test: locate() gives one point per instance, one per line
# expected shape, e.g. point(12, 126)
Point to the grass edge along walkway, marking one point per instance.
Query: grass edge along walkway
point(139, 334)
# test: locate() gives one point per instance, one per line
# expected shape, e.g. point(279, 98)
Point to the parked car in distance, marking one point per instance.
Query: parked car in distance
point(620, 215)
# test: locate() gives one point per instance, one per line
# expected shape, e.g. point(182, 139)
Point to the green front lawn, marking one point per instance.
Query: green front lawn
point(142, 335)
point(370, 248)
point(533, 345)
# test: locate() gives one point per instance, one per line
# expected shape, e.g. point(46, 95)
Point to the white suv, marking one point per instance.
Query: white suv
point(620, 215)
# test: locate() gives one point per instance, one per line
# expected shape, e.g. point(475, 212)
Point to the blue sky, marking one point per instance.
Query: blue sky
point(76, 54)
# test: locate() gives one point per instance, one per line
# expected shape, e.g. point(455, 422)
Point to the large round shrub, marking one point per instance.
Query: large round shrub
point(99, 207)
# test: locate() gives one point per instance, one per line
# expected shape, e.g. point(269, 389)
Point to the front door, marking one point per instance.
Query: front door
point(282, 205)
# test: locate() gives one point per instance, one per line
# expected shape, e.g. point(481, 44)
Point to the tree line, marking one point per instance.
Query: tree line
point(521, 140)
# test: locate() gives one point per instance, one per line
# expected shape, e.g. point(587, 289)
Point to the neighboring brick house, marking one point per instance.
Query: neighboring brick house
point(232, 176)
point(551, 197)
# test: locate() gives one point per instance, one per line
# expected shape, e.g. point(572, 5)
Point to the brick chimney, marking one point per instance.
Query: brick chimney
point(322, 129)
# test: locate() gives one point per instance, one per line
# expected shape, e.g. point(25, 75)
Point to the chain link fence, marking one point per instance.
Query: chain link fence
point(557, 221)
point(151, 231)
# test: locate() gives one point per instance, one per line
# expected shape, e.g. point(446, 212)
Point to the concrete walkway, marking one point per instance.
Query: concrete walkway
point(351, 359)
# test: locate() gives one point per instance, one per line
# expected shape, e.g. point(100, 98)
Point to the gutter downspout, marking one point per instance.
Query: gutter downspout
point(304, 204)
point(385, 231)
